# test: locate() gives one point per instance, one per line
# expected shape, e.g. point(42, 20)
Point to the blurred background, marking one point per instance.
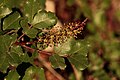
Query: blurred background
point(102, 31)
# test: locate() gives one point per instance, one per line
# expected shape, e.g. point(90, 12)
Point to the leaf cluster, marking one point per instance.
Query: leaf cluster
point(21, 23)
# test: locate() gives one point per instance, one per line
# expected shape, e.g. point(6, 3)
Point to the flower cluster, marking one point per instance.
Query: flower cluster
point(58, 35)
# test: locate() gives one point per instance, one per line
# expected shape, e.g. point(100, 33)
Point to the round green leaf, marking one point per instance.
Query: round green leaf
point(44, 20)
point(76, 52)
point(31, 32)
point(12, 21)
point(34, 73)
point(79, 61)
point(57, 61)
point(12, 75)
point(31, 7)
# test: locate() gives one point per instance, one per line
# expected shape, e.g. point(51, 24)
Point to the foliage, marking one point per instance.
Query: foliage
point(104, 35)
point(22, 22)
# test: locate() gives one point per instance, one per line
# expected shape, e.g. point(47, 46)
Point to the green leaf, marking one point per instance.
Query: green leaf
point(64, 48)
point(9, 54)
point(72, 46)
point(17, 56)
point(31, 59)
point(57, 61)
point(31, 32)
point(79, 52)
point(76, 52)
point(28, 30)
point(12, 21)
point(79, 61)
point(44, 20)
point(31, 7)
point(13, 3)
point(5, 42)
point(4, 11)
point(12, 75)
point(34, 73)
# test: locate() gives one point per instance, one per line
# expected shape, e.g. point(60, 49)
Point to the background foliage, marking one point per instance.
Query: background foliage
point(103, 31)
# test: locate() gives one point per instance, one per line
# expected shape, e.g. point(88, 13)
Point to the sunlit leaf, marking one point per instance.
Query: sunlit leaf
point(4, 11)
point(76, 52)
point(64, 48)
point(57, 61)
point(34, 73)
point(72, 46)
point(12, 21)
point(44, 19)
point(31, 7)
point(12, 75)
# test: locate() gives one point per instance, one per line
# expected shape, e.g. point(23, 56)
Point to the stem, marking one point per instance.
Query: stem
point(20, 37)
point(47, 65)
point(76, 73)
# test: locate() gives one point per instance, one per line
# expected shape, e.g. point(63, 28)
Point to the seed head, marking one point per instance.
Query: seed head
point(59, 34)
